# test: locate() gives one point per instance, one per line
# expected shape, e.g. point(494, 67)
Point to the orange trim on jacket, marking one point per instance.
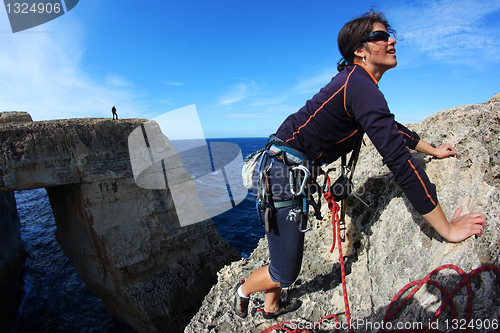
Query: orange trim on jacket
point(366, 69)
point(315, 113)
point(344, 86)
point(422, 182)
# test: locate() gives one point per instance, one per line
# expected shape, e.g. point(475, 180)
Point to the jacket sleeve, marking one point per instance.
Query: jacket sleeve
point(370, 109)
point(410, 137)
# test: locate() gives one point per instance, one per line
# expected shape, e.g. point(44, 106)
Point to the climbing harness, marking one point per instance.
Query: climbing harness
point(300, 179)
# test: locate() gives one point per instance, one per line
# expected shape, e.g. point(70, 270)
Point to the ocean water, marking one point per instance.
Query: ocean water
point(57, 300)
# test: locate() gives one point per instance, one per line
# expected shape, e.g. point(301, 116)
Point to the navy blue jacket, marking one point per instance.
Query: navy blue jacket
point(331, 123)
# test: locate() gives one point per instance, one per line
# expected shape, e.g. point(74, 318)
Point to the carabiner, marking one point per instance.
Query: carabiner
point(306, 229)
point(343, 230)
point(304, 217)
point(307, 174)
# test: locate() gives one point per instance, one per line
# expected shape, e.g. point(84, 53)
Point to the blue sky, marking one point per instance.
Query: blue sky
point(246, 65)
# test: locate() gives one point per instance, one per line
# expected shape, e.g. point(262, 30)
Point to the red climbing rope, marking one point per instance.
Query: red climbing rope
point(334, 207)
point(447, 298)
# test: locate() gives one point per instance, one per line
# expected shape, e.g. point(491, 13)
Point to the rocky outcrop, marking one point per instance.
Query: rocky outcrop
point(12, 254)
point(11, 260)
point(14, 116)
point(124, 241)
point(388, 244)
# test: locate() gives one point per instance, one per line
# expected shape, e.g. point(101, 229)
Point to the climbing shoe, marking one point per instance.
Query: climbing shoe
point(241, 303)
point(283, 307)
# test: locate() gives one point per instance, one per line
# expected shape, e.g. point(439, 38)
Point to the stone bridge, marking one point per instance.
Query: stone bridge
point(125, 242)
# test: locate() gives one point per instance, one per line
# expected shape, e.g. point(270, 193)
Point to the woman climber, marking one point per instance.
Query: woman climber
point(329, 126)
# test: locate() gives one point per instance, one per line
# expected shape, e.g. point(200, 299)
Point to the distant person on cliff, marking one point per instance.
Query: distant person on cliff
point(329, 126)
point(113, 110)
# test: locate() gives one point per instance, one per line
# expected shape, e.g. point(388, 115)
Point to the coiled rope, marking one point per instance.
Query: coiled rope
point(391, 313)
point(447, 297)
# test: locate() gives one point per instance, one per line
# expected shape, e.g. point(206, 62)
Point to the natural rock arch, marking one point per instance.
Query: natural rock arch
point(124, 241)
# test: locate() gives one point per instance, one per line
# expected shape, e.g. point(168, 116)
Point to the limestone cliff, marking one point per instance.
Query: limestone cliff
point(124, 241)
point(11, 260)
point(388, 244)
point(12, 254)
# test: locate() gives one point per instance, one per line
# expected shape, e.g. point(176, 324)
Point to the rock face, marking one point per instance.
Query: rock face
point(11, 260)
point(124, 241)
point(390, 245)
point(12, 254)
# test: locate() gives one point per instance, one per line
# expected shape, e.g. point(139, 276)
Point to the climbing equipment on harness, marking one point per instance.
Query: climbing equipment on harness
point(264, 203)
point(344, 182)
point(249, 164)
point(302, 184)
point(337, 221)
point(394, 308)
point(305, 178)
point(301, 217)
point(299, 180)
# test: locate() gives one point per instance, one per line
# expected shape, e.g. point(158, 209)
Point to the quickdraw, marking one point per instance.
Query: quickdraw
point(263, 201)
point(301, 192)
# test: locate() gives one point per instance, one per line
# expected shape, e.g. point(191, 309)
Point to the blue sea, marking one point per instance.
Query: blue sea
point(57, 300)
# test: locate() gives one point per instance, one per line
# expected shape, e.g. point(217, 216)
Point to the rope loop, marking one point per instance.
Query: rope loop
point(447, 296)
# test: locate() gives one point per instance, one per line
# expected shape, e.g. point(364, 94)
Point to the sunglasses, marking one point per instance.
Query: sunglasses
point(375, 36)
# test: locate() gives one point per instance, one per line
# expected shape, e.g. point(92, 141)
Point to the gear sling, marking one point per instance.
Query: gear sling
point(302, 173)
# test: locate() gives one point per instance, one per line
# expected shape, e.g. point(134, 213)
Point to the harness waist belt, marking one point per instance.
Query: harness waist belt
point(293, 155)
point(287, 203)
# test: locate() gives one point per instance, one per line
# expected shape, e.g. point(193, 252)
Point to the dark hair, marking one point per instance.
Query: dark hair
point(351, 35)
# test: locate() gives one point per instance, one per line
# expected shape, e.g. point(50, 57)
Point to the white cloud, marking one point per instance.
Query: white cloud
point(116, 80)
point(173, 83)
point(314, 83)
point(269, 101)
point(240, 115)
point(238, 92)
point(453, 31)
point(275, 111)
point(42, 74)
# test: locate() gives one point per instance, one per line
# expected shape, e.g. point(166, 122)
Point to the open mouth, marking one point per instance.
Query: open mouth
point(391, 52)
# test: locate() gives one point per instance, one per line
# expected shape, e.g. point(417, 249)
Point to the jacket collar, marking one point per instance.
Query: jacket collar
point(371, 75)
